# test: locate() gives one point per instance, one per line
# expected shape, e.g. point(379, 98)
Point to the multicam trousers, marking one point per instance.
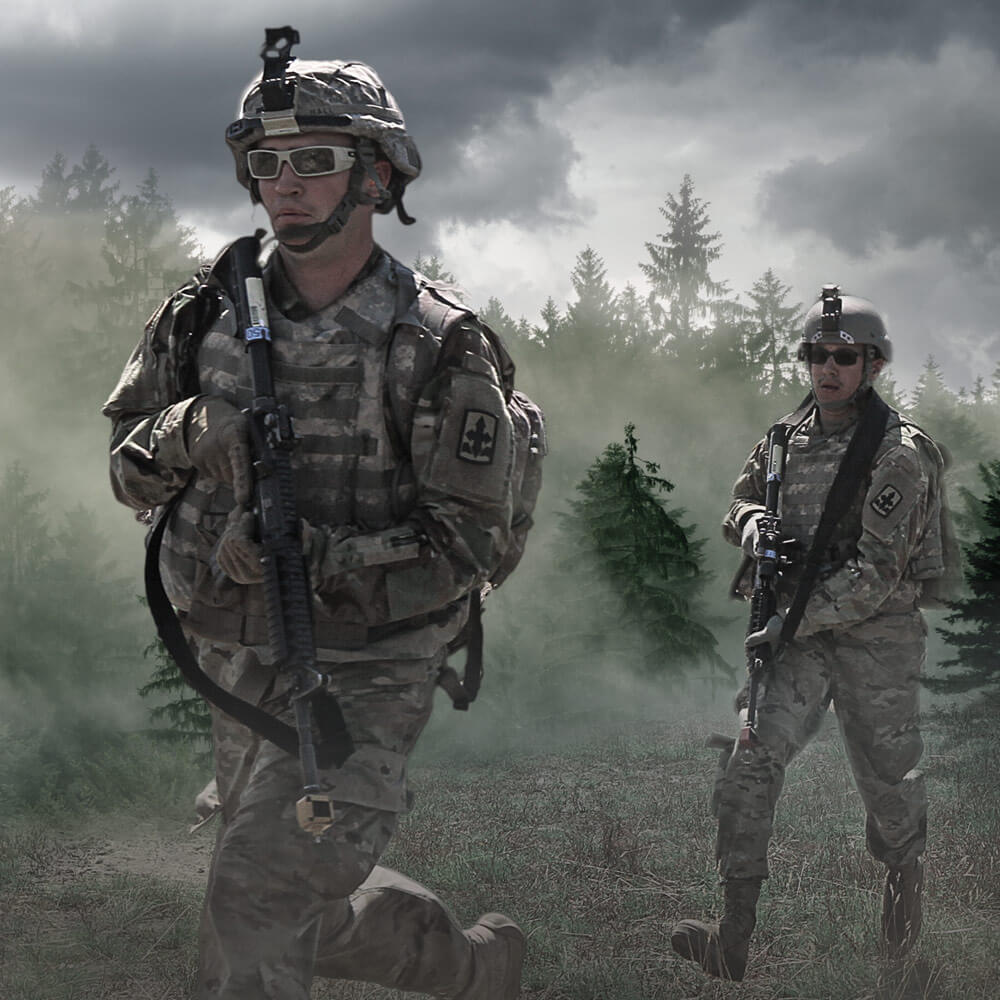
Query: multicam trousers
point(872, 678)
point(281, 908)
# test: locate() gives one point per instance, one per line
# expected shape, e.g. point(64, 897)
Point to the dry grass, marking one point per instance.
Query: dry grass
point(596, 852)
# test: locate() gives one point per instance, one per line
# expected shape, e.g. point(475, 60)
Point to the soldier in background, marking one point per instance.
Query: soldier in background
point(860, 644)
point(406, 513)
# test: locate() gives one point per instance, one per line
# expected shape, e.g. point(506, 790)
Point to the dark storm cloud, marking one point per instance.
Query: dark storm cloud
point(930, 175)
point(469, 77)
point(162, 98)
point(847, 29)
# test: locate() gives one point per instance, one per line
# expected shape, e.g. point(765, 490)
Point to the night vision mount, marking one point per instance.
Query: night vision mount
point(832, 306)
point(278, 94)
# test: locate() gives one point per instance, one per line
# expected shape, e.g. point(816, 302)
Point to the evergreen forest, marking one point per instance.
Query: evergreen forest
point(653, 393)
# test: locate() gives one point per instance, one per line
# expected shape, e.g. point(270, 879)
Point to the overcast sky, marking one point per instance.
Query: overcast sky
point(849, 141)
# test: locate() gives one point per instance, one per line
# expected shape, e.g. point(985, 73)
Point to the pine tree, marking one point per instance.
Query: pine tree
point(618, 533)
point(185, 717)
point(977, 639)
point(147, 253)
point(772, 332)
point(685, 295)
point(550, 331)
point(21, 267)
point(635, 322)
point(433, 267)
point(937, 409)
point(54, 192)
point(512, 331)
point(591, 320)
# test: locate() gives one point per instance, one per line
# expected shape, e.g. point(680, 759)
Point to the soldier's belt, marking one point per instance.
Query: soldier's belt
point(222, 625)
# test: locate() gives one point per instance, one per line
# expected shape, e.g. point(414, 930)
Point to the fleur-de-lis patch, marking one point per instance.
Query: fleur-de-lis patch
point(479, 437)
point(887, 501)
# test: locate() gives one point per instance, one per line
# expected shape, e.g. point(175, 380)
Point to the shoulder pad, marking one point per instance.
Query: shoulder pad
point(438, 307)
point(938, 453)
point(425, 303)
point(179, 296)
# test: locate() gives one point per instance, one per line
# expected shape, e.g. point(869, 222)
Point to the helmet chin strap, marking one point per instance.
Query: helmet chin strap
point(319, 232)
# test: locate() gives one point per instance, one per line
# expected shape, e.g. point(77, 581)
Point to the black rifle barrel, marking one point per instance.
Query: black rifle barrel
point(763, 601)
point(288, 595)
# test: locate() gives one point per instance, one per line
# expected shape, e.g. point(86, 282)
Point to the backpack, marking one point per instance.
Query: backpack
point(530, 448)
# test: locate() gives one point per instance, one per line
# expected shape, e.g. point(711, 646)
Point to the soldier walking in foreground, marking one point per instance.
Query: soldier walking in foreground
point(854, 637)
point(402, 462)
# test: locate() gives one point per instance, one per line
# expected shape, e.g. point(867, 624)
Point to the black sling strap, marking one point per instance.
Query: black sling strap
point(335, 746)
point(853, 468)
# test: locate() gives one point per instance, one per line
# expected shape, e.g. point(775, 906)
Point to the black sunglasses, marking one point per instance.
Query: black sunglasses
point(843, 356)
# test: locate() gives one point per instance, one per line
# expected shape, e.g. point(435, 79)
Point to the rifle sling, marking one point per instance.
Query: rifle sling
point(336, 746)
point(853, 468)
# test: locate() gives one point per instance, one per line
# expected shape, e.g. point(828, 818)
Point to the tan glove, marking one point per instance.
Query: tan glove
point(751, 535)
point(218, 443)
point(238, 552)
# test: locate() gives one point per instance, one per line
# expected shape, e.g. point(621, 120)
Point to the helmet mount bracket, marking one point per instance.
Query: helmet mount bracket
point(832, 306)
point(277, 92)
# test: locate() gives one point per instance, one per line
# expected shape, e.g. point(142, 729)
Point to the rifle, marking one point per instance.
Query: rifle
point(767, 560)
point(288, 595)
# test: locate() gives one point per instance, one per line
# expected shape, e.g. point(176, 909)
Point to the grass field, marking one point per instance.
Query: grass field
point(595, 849)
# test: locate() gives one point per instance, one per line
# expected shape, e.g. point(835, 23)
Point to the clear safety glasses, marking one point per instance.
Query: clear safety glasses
point(306, 161)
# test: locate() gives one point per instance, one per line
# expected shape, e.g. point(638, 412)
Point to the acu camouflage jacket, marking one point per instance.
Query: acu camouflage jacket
point(387, 439)
point(890, 546)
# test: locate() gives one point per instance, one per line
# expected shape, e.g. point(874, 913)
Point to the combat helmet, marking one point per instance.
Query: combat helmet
point(845, 318)
point(333, 94)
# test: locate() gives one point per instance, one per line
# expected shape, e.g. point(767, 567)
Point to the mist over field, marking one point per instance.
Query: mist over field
point(84, 262)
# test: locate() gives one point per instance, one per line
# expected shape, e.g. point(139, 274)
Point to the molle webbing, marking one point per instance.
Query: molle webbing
point(251, 630)
point(854, 469)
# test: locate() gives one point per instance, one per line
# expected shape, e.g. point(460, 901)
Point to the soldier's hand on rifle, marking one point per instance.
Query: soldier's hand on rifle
point(218, 444)
point(238, 552)
point(788, 548)
point(750, 539)
point(769, 635)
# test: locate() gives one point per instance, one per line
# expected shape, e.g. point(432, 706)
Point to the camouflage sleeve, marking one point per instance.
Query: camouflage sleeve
point(893, 521)
point(461, 447)
point(748, 494)
point(149, 459)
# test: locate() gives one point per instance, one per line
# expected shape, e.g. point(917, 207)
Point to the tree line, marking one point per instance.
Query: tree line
point(675, 360)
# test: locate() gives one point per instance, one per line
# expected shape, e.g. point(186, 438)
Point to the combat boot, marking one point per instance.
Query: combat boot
point(498, 947)
point(901, 909)
point(722, 949)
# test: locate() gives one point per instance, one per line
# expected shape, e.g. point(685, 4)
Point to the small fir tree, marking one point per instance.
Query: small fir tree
point(650, 563)
point(976, 664)
point(185, 717)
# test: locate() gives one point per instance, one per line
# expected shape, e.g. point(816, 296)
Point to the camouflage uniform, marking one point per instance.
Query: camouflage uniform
point(860, 644)
point(384, 442)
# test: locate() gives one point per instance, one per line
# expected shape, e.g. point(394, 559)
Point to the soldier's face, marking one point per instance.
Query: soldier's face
point(292, 201)
point(834, 381)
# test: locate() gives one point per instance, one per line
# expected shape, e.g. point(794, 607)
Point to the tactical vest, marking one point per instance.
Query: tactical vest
point(813, 460)
point(330, 369)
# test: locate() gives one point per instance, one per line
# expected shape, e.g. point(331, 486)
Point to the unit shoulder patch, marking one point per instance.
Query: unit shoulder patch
point(479, 437)
point(888, 499)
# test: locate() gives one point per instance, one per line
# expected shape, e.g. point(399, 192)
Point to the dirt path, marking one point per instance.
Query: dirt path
point(164, 851)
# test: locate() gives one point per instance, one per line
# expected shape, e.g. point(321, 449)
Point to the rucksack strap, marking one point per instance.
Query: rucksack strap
point(854, 467)
point(463, 692)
